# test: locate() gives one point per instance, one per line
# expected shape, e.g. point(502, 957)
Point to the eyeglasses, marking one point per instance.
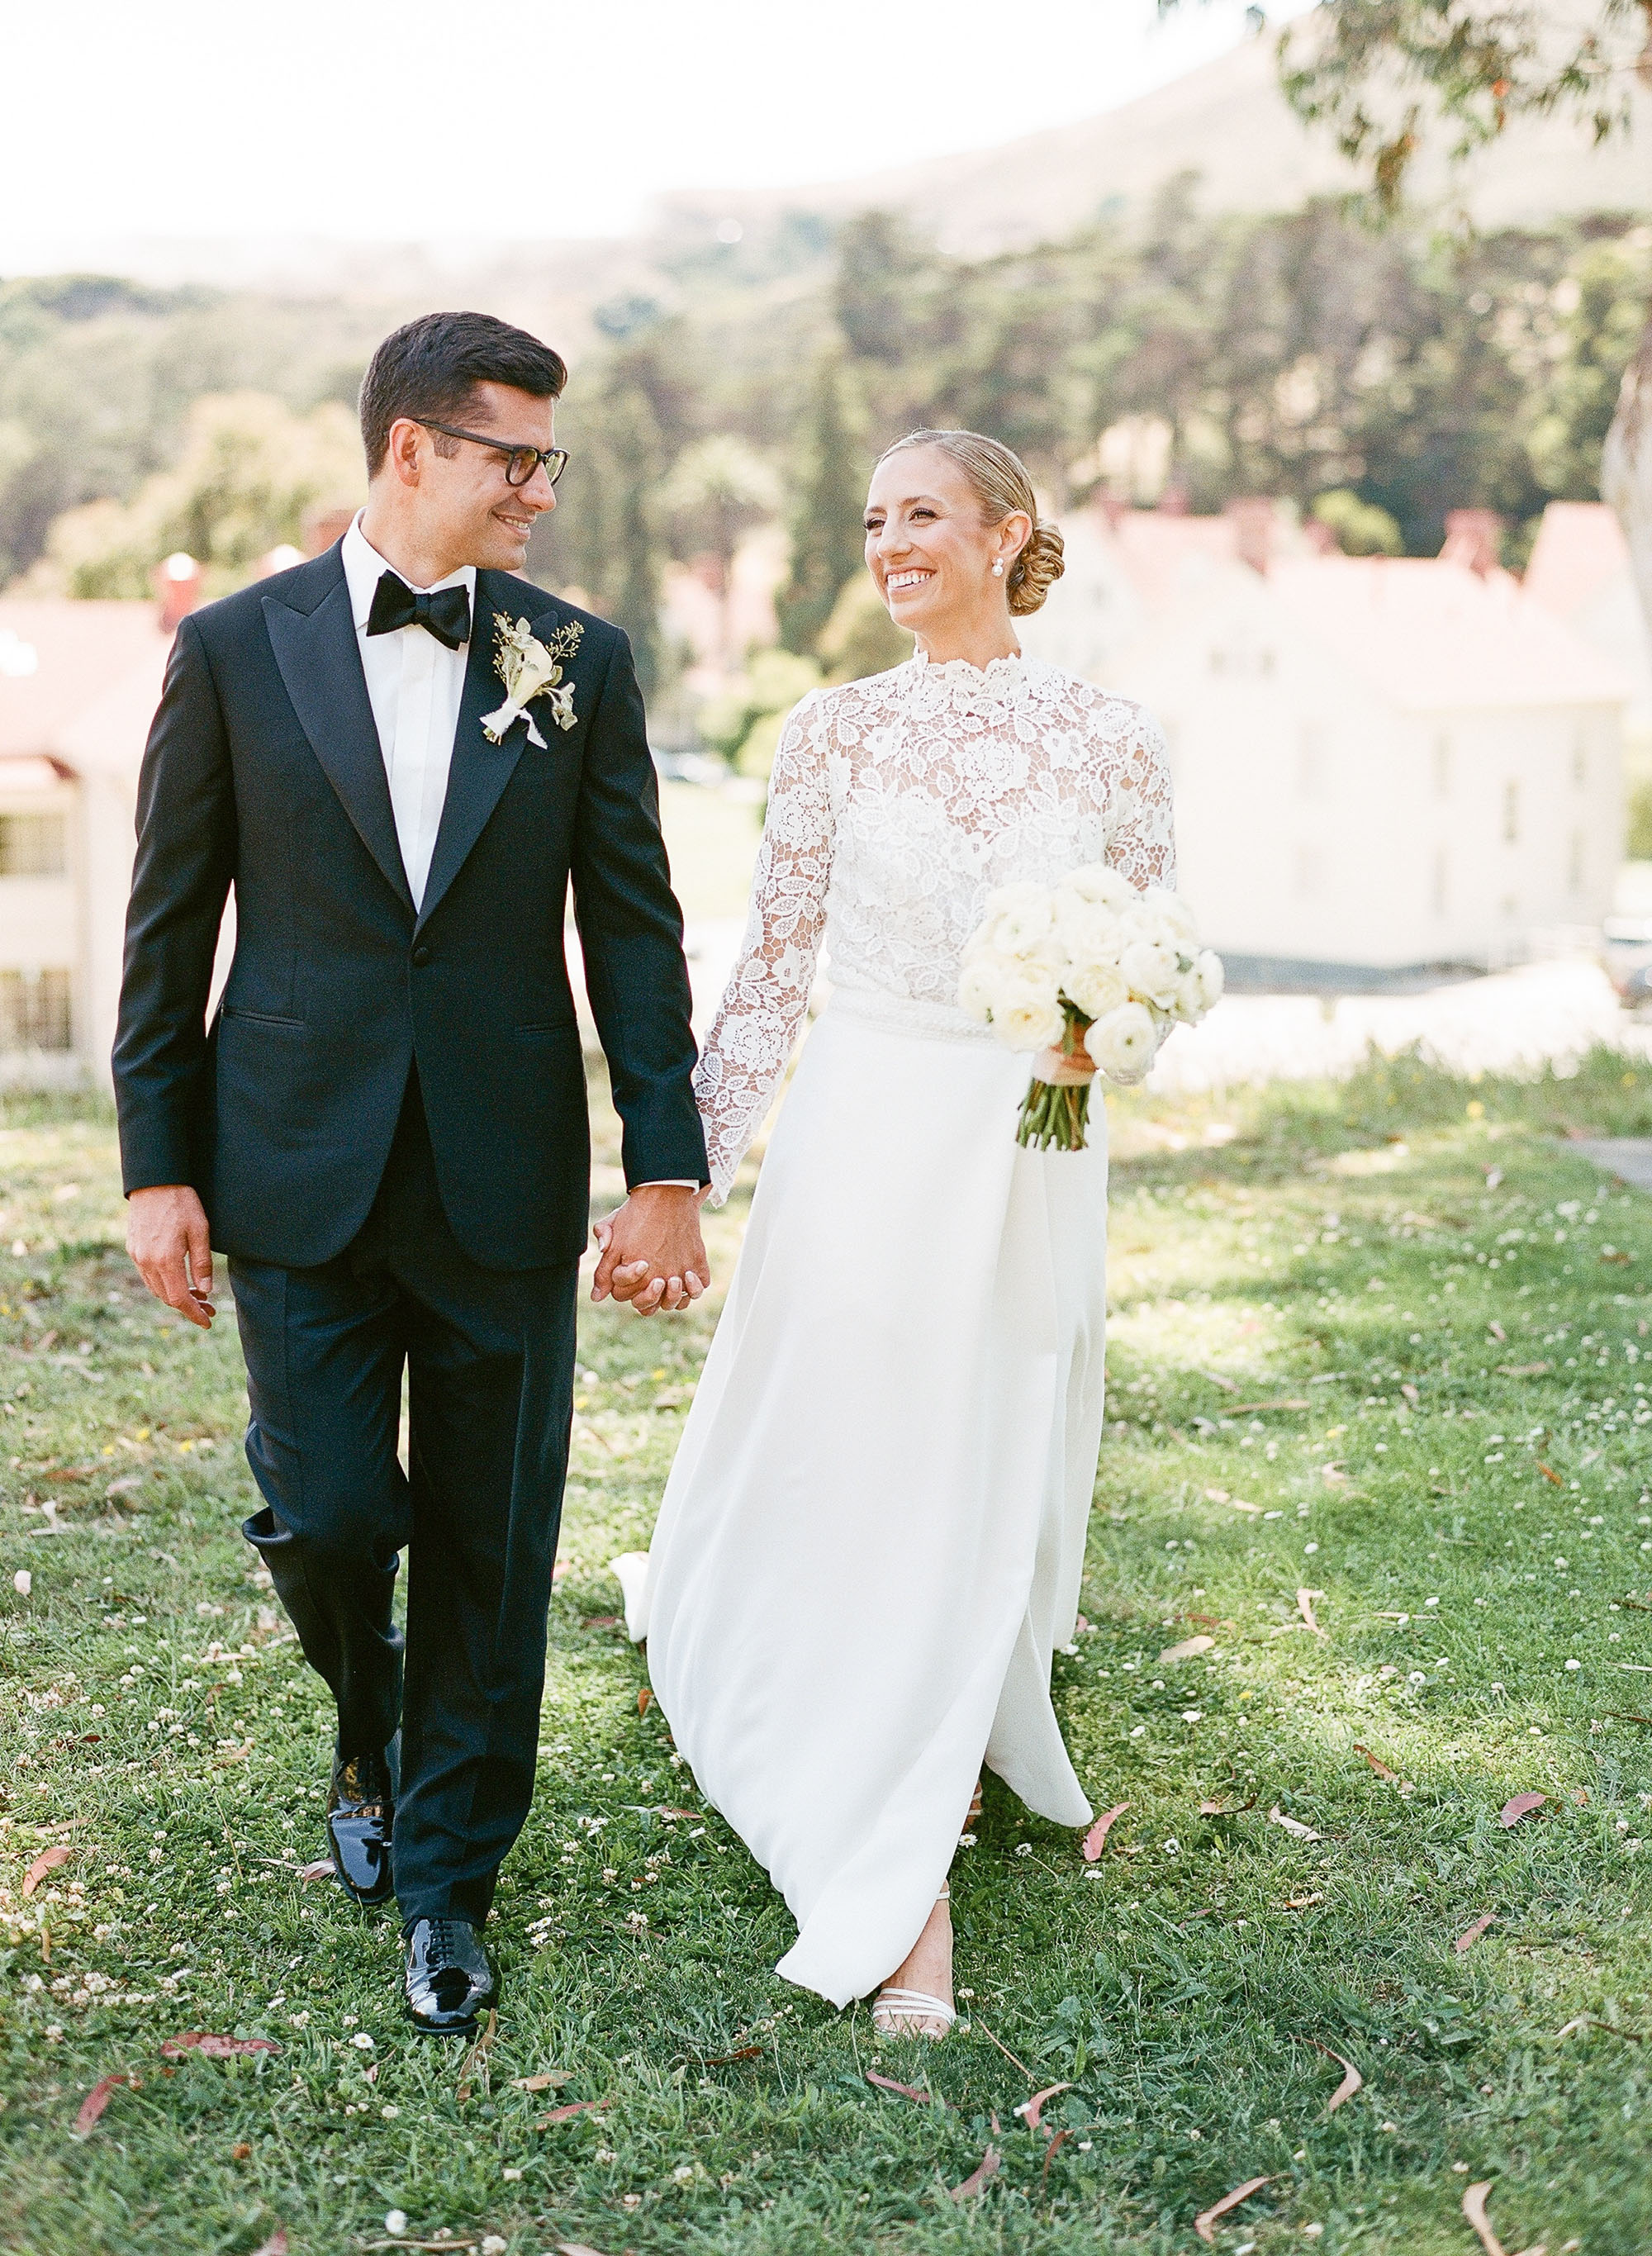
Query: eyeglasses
point(520, 462)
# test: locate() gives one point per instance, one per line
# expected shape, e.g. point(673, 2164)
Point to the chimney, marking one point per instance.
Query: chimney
point(1255, 522)
point(324, 526)
point(177, 585)
point(1473, 538)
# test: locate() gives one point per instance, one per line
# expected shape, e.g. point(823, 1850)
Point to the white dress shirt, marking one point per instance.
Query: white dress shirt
point(414, 685)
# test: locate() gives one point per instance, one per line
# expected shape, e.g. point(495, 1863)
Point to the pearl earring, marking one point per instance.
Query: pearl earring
point(997, 567)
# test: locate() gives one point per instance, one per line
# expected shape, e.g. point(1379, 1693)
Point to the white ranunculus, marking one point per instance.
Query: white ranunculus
point(1152, 970)
point(1190, 999)
point(1027, 1018)
point(1124, 1042)
point(1173, 911)
point(1100, 886)
point(1097, 988)
point(1207, 970)
point(984, 977)
point(1089, 931)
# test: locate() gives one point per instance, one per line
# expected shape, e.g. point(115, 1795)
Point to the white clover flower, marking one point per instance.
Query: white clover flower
point(1123, 1043)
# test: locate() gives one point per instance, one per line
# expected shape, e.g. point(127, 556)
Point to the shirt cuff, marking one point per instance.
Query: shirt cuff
point(670, 1184)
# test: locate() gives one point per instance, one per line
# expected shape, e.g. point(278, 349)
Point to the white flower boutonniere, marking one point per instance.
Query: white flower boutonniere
point(530, 668)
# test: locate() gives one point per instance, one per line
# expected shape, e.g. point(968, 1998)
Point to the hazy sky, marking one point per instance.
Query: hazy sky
point(409, 119)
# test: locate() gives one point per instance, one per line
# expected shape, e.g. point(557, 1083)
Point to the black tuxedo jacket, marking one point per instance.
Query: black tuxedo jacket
point(264, 771)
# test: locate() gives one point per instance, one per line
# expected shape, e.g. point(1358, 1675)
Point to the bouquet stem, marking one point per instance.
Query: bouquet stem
point(1057, 1113)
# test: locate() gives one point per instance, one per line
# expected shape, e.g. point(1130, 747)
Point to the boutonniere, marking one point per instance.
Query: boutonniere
point(530, 668)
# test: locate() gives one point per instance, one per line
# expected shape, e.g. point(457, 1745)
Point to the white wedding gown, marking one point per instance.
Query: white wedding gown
point(871, 1538)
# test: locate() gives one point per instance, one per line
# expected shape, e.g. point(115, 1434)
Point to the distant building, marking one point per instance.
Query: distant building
point(1382, 763)
point(79, 683)
point(1580, 569)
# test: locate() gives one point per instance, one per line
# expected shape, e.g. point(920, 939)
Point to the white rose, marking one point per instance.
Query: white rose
point(1152, 970)
point(1207, 970)
point(1102, 887)
point(1124, 1042)
point(1097, 988)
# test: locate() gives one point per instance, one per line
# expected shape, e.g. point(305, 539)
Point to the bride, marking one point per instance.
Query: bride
point(873, 1536)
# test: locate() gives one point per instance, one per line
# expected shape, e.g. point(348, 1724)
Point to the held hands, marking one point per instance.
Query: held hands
point(167, 1237)
point(651, 1253)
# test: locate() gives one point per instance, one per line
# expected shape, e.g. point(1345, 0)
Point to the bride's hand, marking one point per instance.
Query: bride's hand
point(650, 1251)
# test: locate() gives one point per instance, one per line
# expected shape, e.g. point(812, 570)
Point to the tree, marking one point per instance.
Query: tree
point(717, 490)
point(250, 475)
point(1378, 73)
point(827, 540)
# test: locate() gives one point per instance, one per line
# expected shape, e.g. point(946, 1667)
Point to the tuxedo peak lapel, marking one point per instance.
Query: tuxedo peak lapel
point(321, 667)
point(480, 768)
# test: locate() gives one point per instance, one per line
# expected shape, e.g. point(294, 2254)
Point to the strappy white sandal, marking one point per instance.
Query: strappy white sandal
point(898, 2012)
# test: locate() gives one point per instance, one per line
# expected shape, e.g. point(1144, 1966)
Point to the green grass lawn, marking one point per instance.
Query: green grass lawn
point(1377, 1435)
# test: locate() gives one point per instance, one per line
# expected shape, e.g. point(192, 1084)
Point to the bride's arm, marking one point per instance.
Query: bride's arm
point(1140, 819)
point(767, 993)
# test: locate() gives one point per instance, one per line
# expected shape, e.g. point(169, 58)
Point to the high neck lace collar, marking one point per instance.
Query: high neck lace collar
point(965, 687)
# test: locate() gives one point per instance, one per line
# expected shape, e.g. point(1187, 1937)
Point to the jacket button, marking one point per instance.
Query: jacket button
point(421, 954)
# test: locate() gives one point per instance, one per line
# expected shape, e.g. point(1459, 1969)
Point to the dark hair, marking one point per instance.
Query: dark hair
point(431, 367)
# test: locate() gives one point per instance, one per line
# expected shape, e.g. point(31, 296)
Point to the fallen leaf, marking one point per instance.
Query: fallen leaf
point(1411, 1393)
point(1498, 1333)
point(1293, 1825)
point(1050, 2153)
point(1238, 1503)
point(976, 2183)
point(1218, 1496)
point(1227, 1385)
point(566, 2114)
point(214, 2047)
point(1587, 2022)
point(723, 2059)
point(1523, 1370)
point(1188, 1647)
point(663, 1812)
point(475, 2061)
point(1096, 1839)
point(47, 1861)
point(241, 2152)
point(320, 1870)
point(548, 2079)
point(275, 2246)
point(1205, 2223)
point(1212, 1808)
point(95, 2102)
point(1549, 1474)
point(907, 2090)
point(575, 2248)
point(1030, 2110)
point(1352, 2082)
point(600, 1621)
point(1471, 1935)
point(1303, 1903)
point(1333, 1476)
point(1615, 1256)
point(1380, 1767)
point(1240, 1409)
point(1305, 1608)
point(1474, 2210)
point(1520, 1805)
point(644, 1700)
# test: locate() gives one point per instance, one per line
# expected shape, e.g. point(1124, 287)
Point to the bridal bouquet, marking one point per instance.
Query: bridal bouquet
point(1090, 973)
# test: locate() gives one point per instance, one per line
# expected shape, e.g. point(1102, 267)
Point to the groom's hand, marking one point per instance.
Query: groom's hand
point(167, 1238)
point(652, 1253)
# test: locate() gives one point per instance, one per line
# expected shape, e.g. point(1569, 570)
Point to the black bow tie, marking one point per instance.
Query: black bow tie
point(446, 614)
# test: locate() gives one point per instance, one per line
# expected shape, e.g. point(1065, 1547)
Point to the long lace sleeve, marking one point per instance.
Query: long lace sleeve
point(1140, 822)
point(767, 993)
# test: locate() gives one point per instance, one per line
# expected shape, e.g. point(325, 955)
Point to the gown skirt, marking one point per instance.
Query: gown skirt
point(873, 1538)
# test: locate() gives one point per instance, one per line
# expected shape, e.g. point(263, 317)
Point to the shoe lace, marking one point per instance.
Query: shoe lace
point(444, 1940)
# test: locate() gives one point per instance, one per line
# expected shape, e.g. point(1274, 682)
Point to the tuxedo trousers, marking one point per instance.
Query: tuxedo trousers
point(489, 1359)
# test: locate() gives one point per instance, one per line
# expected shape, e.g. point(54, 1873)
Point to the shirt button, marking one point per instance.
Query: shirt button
point(421, 954)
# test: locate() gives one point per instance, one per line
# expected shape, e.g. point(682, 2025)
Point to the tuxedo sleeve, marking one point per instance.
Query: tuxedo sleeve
point(180, 881)
point(631, 932)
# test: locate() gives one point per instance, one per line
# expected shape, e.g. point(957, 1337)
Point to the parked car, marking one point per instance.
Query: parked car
point(1625, 953)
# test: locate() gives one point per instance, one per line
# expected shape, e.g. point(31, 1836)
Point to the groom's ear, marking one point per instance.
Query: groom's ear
point(404, 451)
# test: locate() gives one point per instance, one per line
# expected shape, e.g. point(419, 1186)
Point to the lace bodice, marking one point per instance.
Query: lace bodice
point(896, 805)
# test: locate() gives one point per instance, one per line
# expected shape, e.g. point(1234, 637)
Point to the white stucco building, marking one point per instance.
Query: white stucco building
point(1380, 764)
point(78, 686)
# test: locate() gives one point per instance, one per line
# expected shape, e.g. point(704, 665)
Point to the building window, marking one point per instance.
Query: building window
point(33, 845)
point(1442, 767)
point(1511, 814)
point(34, 1011)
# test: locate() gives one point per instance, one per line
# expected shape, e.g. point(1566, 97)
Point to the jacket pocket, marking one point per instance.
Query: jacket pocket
point(258, 1018)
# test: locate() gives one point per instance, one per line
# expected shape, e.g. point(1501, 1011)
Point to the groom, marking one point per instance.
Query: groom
point(383, 1127)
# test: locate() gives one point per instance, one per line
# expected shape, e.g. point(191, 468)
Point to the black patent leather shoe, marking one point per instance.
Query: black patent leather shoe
point(360, 1812)
point(449, 1982)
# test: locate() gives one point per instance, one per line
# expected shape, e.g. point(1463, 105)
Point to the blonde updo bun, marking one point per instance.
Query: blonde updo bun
point(1002, 487)
point(1036, 569)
